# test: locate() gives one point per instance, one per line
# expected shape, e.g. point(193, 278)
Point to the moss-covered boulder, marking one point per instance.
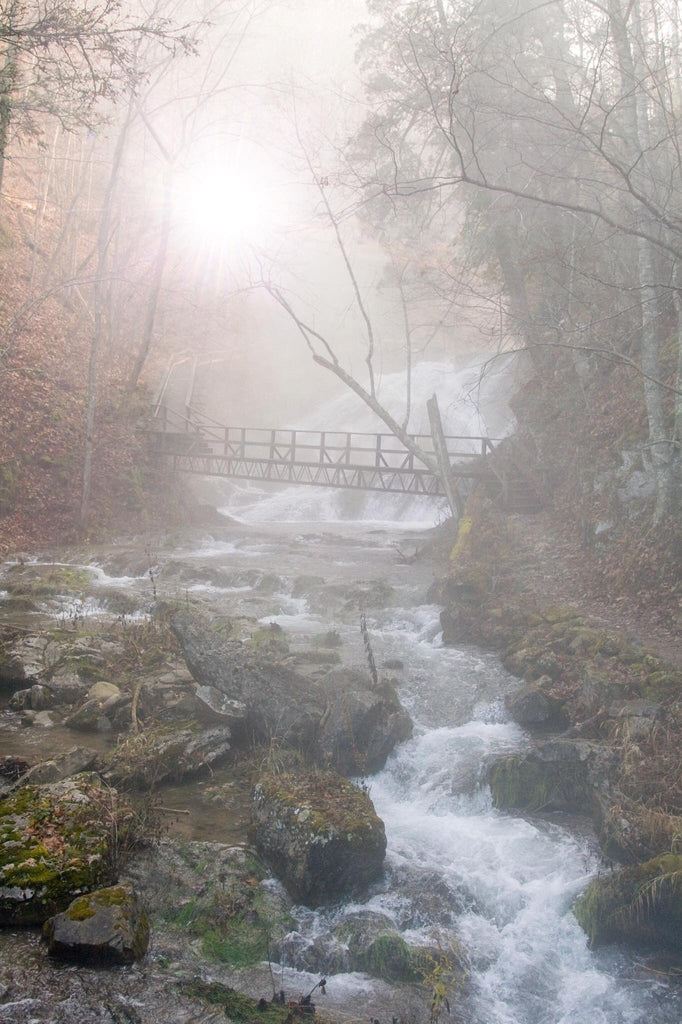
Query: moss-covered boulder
point(319, 833)
point(640, 905)
point(556, 777)
point(52, 848)
point(374, 946)
point(109, 926)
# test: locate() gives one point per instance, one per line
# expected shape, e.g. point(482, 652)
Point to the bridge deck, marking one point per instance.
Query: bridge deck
point(346, 459)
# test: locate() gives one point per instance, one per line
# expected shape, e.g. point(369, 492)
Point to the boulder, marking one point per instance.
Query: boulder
point(167, 753)
point(89, 717)
point(22, 662)
point(52, 848)
point(339, 720)
point(641, 905)
point(74, 761)
point(361, 725)
point(108, 926)
point(213, 703)
point(279, 702)
point(103, 690)
point(374, 946)
point(533, 706)
point(555, 777)
point(66, 687)
point(319, 833)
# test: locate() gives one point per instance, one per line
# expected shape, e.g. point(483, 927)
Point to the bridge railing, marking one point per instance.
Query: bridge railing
point(314, 447)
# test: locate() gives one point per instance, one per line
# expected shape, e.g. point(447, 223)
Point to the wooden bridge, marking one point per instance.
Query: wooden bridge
point(196, 443)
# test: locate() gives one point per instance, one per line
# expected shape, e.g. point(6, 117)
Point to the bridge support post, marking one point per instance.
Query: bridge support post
point(443, 459)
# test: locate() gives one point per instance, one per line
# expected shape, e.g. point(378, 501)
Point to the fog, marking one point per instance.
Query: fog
point(306, 196)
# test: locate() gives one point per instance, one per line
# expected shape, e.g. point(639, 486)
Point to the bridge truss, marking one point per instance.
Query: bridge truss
point(344, 459)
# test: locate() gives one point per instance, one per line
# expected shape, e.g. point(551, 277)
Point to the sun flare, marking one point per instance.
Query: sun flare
point(224, 205)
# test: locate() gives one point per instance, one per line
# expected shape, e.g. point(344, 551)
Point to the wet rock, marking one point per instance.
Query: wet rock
point(532, 705)
point(21, 700)
point(279, 701)
point(214, 703)
point(361, 725)
point(641, 905)
point(44, 719)
point(319, 833)
point(306, 586)
point(40, 697)
point(375, 946)
point(52, 847)
point(557, 776)
point(108, 926)
point(166, 753)
point(89, 717)
point(74, 761)
point(22, 662)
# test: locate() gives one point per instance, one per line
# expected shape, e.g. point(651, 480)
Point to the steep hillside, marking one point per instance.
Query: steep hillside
point(44, 353)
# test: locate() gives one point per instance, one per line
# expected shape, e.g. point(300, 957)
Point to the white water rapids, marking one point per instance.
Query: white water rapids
point(457, 870)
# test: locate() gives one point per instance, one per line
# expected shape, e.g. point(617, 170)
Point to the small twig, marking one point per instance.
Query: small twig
point(173, 810)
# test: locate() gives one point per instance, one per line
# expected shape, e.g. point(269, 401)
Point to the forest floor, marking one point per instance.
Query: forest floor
point(555, 569)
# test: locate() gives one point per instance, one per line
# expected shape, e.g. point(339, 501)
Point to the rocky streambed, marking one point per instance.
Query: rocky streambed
point(282, 797)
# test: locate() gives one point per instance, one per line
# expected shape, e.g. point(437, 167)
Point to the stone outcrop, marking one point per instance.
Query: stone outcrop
point(340, 721)
point(108, 926)
point(319, 833)
point(278, 701)
point(166, 754)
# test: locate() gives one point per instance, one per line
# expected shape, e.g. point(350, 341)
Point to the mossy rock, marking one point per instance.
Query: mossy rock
point(36, 581)
point(52, 847)
point(526, 782)
point(320, 834)
point(640, 905)
point(109, 926)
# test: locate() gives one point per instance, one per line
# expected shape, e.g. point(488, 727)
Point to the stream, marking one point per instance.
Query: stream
point(459, 874)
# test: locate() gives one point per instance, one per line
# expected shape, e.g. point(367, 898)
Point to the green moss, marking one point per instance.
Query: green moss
point(51, 850)
point(36, 581)
point(80, 910)
point(642, 905)
point(240, 1008)
point(270, 639)
point(331, 638)
point(389, 957)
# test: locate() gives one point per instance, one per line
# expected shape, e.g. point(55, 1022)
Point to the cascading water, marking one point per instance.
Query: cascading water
point(469, 407)
point(459, 874)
